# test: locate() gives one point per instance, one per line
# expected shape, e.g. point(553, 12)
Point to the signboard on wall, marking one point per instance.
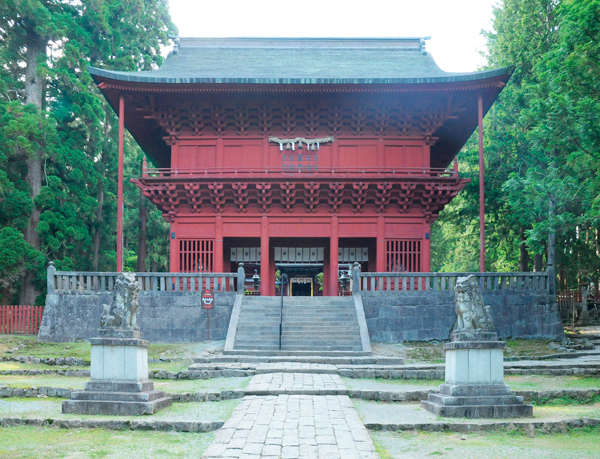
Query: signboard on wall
point(208, 299)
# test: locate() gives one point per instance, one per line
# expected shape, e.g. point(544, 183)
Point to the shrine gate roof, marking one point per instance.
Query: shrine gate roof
point(298, 61)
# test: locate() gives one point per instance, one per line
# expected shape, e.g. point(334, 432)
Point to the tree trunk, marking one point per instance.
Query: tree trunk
point(99, 213)
point(538, 261)
point(524, 253)
point(141, 260)
point(34, 94)
point(6, 295)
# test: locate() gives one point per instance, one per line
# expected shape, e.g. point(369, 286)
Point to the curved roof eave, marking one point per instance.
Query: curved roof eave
point(130, 77)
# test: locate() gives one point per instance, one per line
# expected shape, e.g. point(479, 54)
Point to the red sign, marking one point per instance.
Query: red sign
point(208, 299)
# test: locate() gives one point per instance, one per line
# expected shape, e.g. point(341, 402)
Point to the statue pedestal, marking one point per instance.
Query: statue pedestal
point(474, 386)
point(119, 383)
point(585, 318)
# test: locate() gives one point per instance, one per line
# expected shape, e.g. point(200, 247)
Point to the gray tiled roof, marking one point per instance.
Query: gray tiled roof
point(298, 61)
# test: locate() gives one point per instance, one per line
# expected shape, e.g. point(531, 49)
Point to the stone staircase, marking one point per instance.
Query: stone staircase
point(310, 325)
point(258, 325)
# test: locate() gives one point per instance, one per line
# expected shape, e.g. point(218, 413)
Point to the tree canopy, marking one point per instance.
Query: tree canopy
point(542, 147)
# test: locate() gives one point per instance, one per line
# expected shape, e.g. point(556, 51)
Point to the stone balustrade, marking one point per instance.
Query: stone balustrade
point(412, 282)
point(71, 281)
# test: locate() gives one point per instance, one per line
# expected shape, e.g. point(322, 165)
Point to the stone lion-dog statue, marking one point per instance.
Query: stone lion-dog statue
point(472, 315)
point(122, 311)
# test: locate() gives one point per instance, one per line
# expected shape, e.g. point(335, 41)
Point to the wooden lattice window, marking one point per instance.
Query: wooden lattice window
point(196, 255)
point(299, 161)
point(403, 255)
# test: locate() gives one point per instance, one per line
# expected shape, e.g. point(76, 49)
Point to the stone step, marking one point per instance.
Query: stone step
point(147, 396)
point(333, 360)
point(112, 408)
point(479, 411)
point(292, 353)
point(475, 400)
point(466, 390)
point(314, 348)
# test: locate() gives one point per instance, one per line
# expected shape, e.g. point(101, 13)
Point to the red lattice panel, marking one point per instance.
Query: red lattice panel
point(403, 255)
point(196, 255)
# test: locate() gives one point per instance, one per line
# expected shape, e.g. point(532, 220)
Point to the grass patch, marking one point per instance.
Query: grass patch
point(540, 382)
point(562, 401)
point(35, 442)
point(10, 366)
point(51, 407)
point(177, 366)
point(28, 345)
point(167, 385)
point(528, 348)
point(425, 352)
point(433, 352)
point(577, 444)
point(388, 384)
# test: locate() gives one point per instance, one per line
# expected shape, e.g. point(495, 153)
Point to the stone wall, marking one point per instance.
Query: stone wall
point(166, 317)
point(410, 316)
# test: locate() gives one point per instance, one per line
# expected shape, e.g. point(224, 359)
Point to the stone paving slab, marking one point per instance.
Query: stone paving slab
point(295, 381)
point(295, 367)
point(293, 426)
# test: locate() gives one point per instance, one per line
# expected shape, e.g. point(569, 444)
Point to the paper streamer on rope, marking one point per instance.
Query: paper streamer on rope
point(298, 142)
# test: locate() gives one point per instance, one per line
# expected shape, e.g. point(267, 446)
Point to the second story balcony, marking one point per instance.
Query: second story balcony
point(369, 191)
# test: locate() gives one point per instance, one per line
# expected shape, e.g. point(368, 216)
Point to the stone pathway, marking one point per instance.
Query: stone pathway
point(277, 382)
point(293, 426)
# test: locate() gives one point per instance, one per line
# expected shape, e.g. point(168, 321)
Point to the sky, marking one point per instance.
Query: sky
point(454, 25)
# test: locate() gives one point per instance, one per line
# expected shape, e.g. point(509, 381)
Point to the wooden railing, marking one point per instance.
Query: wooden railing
point(412, 282)
point(20, 319)
point(569, 300)
point(326, 172)
point(71, 281)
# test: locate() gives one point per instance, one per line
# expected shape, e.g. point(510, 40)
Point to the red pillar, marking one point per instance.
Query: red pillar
point(218, 248)
point(173, 249)
point(481, 191)
point(272, 269)
point(380, 257)
point(265, 262)
point(426, 249)
point(333, 257)
point(120, 186)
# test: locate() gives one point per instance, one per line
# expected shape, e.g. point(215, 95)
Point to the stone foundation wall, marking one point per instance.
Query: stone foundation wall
point(166, 317)
point(418, 316)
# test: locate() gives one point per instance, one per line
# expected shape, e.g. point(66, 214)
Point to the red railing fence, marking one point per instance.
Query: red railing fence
point(22, 319)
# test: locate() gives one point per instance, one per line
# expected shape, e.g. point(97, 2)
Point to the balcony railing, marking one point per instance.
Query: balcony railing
point(319, 172)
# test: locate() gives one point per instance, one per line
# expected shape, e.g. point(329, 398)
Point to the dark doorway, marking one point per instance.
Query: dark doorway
point(301, 289)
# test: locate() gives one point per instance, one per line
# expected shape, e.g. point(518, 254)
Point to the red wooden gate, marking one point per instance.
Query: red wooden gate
point(20, 319)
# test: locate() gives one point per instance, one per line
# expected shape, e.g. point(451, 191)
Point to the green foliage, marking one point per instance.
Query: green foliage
point(542, 145)
point(16, 255)
point(75, 133)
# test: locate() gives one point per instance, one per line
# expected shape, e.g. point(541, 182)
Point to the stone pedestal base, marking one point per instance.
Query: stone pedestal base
point(119, 384)
point(477, 401)
point(474, 385)
point(585, 318)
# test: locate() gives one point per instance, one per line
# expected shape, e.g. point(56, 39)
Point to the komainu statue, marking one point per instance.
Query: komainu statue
point(121, 312)
point(473, 316)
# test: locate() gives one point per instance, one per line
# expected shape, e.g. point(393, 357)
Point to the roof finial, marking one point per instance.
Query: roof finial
point(176, 42)
point(422, 44)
